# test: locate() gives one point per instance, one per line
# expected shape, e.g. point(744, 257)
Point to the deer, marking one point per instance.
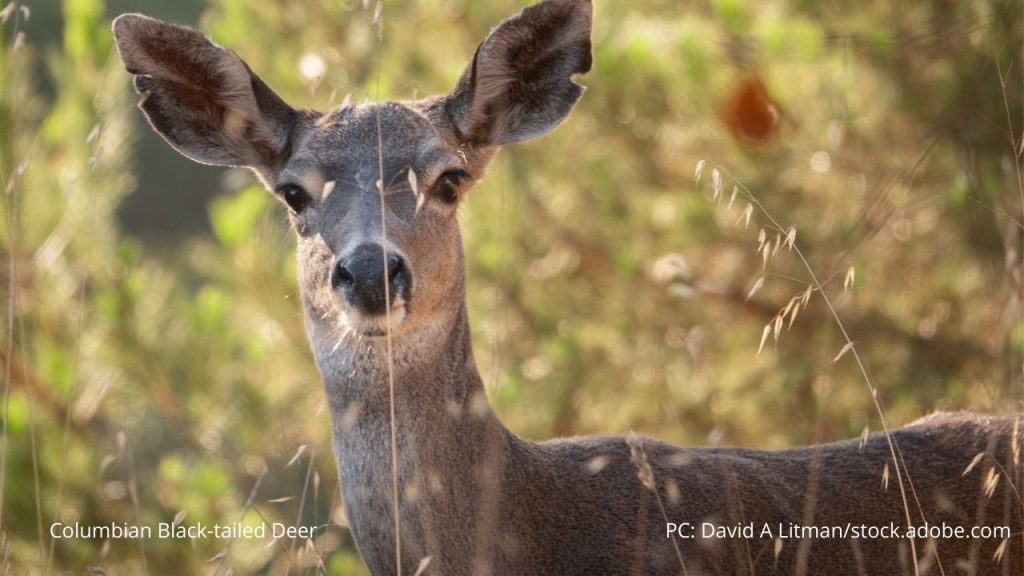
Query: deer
point(431, 479)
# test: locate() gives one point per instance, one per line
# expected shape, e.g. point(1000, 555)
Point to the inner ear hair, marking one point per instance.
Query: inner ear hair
point(202, 98)
point(520, 83)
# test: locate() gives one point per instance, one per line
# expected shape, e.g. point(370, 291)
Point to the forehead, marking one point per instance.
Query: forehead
point(351, 138)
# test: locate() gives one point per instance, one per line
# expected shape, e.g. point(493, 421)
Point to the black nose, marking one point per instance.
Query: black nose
point(361, 278)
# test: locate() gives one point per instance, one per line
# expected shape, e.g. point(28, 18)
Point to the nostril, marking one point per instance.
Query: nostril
point(342, 275)
point(395, 266)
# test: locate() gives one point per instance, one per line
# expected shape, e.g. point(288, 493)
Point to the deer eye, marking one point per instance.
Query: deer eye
point(294, 196)
point(447, 186)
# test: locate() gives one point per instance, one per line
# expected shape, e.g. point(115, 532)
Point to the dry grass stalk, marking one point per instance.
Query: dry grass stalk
point(295, 458)
point(997, 556)
point(974, 462)
point(816, 284)
point(423, 565)
point(638, 456)
point(846, 348)
point(1015, 444)
point(991, 481)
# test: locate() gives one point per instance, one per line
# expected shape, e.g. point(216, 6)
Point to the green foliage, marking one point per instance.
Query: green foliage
point(152, 376)
point(234, 218)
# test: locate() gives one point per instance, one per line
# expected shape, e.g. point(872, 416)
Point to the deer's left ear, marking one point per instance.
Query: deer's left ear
point(520, 83)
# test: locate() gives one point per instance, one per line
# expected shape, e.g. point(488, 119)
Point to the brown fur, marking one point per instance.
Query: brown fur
point(475, 497)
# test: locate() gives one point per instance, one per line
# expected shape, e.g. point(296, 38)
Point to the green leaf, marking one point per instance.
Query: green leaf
point(234, 217)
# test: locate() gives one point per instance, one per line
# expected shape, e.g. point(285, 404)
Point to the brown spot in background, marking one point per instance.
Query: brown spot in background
point(750, 112)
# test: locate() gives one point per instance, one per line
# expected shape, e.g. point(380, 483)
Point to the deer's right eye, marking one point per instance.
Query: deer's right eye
point(294, 196)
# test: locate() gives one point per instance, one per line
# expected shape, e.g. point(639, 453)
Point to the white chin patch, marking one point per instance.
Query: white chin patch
point(375, 324)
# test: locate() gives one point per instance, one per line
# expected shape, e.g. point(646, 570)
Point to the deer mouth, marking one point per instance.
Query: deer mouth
point(376, 324)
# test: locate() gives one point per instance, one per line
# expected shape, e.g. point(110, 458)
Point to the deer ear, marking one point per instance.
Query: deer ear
point(520, 83)
point(202, 98)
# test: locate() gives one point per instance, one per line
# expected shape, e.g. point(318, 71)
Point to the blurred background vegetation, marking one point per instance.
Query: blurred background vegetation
point(154, 359)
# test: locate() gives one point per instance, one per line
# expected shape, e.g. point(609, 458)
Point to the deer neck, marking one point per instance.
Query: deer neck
point(451, 448)
point(431, 367)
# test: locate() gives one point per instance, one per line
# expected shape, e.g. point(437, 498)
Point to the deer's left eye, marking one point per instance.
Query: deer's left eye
point(447, 187)
point(294, 196)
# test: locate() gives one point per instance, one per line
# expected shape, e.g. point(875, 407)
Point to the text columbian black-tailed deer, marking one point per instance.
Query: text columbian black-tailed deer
point(382, 277)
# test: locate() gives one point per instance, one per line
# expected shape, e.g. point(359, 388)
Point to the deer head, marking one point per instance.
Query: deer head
point(371, 190)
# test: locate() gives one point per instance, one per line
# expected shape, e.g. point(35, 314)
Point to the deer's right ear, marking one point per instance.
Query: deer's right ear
point(202, 98)
point(520, 83)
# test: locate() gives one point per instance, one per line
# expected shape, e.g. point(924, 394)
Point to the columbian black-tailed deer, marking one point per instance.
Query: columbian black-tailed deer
point(372, 191)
